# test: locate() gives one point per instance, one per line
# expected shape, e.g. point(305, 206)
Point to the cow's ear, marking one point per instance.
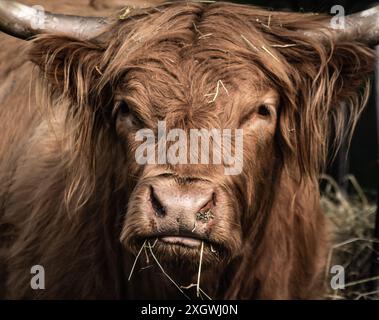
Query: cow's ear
point(69, 66)
point(330, 84)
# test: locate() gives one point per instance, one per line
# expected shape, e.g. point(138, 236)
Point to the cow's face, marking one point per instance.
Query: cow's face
point(197, 66)
point(178, 207)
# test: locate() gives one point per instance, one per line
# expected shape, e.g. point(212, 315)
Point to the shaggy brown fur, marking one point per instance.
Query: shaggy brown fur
point(70, 189)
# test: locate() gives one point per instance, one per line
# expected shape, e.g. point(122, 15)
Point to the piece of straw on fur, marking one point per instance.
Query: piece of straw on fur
point(270, 53)
point(249, 43)
point(283, 45)
point(215, 95)
point(125, 13)
point(205, 35)
point(268, 25)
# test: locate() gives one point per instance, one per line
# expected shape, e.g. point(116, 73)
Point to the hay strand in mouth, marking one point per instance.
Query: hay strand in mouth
point(199, 273)
point(189, 286)
point(147, 267)
point(147, 256)
point(164, 272)
point(201, 290)
point(135, 260)
point(155, 242)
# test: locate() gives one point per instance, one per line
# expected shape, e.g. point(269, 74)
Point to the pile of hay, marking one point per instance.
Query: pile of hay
point(352, 220)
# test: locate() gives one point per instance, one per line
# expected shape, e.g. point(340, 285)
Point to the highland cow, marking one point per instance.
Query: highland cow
point(75, 201)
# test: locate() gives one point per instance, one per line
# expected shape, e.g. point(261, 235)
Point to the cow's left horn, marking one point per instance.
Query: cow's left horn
point(363, 26)
point(25, 22)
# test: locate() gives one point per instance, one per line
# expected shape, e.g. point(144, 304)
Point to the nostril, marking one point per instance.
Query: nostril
point(156, 204)
point(210, 204)
point(214, 199)
point(205, 213)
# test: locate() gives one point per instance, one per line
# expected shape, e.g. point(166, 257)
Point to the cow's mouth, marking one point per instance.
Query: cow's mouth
point(185, 238)
point(184, 247)
point(185, 241)
point(189, 242)
point(182, 241)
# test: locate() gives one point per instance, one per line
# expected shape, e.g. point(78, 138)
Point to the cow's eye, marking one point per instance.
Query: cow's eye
point(126, 116)
point(123, 108)
point(264, 110)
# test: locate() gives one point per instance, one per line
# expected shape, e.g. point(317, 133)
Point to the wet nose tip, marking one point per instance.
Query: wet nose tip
point(172, 201)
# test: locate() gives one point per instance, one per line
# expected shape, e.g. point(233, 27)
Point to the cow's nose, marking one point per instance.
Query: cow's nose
point(182, 208)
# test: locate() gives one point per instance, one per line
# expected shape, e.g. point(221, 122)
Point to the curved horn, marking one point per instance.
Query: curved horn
point(25, 22)
point(363, 26)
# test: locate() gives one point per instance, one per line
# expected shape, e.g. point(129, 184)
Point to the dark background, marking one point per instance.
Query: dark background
point(361, 160)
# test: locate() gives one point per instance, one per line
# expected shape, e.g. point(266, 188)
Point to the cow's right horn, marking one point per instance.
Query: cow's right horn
point(24, 22)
